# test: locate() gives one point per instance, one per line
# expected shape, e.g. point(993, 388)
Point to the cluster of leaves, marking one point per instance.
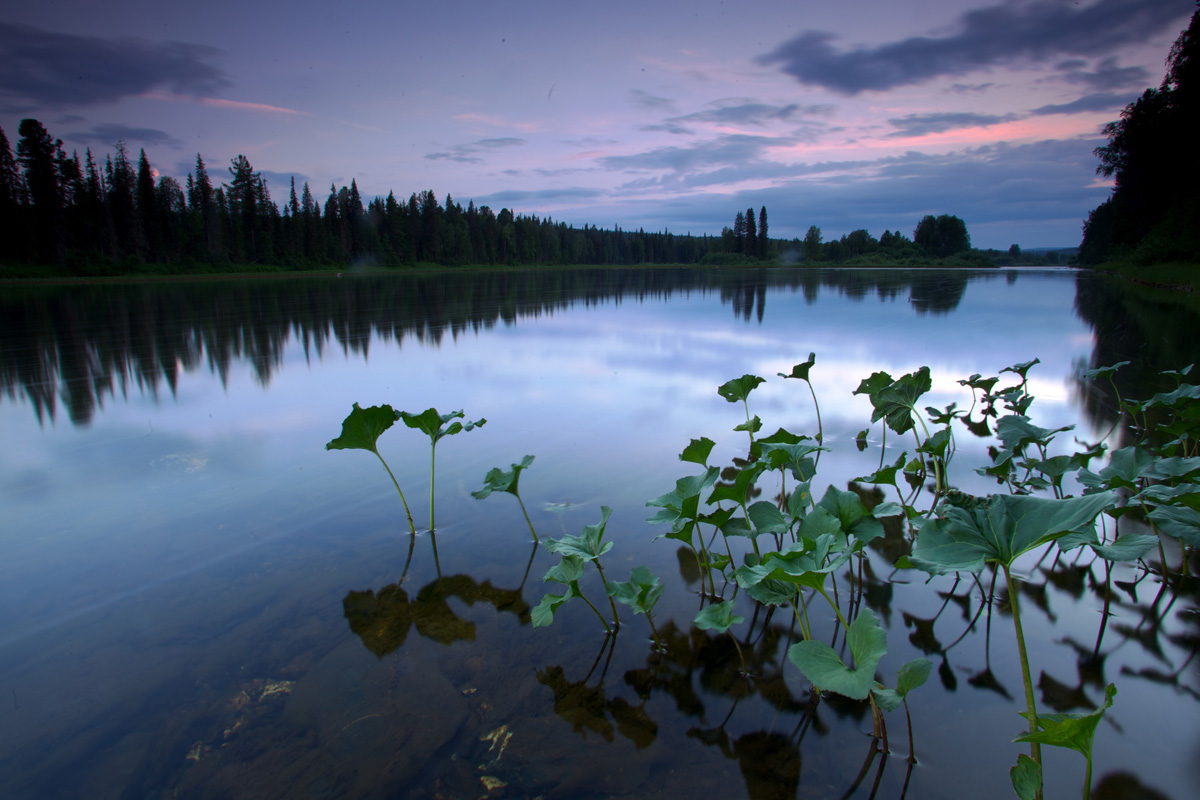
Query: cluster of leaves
point(1154, 478)
point(362, 429)
point(786, 552)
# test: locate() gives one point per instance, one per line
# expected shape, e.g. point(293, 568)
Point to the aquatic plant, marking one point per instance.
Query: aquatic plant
point(576, 552)
point(498, 480)
point(434, 425)
point(361, 431)
point(784, 552)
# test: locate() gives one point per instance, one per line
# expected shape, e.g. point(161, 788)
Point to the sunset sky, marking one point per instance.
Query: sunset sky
point(852, 114)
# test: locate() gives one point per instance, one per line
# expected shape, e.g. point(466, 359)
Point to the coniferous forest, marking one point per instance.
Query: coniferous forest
point(98, 218)
point(73, 215)
point(1153, 214)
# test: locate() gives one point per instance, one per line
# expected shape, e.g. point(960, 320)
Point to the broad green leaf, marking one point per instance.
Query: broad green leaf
point(847, 507)
point(824, 668)
point(773, 593)
point(737, 526)
point(888, 509)
point(697, 451)
point(885, 475)
point(543, 613)
point(717, 617)
point(1026, 777)
point(567, 571)
point(897, 403)
point(1057, 466)
point(781, 436)
point(978, 382)
point(430, 423)
point(753, 425)
point(1185, 392)
point(1072, 731)
point(684, 502)
point(1103, 372)
point(1016, 432)
point(1178, 521)
point(739, 388)
point(800, 500)
point(853, 516)
point(1168, 469)
point(1000, 530)
point(587, 545)
point(797, 456)
point(640, 592)
point(1022, 368)
point(820, 522)
point(1129, 547)
point(871, 387)
point(362, 429)
point(1125, 468)
point(766, 518)
point(498, 480)
point(1187, 494)
point(801, 370)
point(738, 491)
point(911, 675)
point(942, 416)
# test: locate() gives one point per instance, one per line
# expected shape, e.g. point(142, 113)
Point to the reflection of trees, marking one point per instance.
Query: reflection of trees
point(1130, 325)
point(79, 345)
point(383, 620)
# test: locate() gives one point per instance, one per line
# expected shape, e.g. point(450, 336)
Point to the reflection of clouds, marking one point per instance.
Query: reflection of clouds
point(187, 462)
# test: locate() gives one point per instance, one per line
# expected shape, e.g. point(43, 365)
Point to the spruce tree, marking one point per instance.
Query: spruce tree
point(763, 242)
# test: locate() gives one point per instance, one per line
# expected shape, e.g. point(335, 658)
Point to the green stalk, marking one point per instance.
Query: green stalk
point(657, 640)
point(1035, 749)
point(836, 610)
point(526, 513)
point(411, 526)
point(612, 604)
point(603, 621)
point(432, 457)
point(820, 428)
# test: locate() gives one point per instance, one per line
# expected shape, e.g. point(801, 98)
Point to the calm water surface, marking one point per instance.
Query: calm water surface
point(200, 601)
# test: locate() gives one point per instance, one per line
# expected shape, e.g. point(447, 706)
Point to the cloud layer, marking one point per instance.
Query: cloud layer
point(1005, 34)
point(44, 70)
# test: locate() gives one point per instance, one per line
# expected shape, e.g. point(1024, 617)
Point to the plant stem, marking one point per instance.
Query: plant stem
point(820, 429)
point(912, 755)
point(411, 526)
point(603, 621)
point(657, 639)
point(612, 604)
point(526, 513)
point(436, 564)
point(1035, 749)
point(432, 457)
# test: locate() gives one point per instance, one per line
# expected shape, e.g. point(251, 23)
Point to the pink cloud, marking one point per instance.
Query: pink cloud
point(214, 102)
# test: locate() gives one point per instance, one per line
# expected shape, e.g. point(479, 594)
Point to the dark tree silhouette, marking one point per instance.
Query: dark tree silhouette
point(1153, 213)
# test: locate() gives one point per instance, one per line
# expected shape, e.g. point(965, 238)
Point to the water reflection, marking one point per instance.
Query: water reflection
point(274, 665)
point(82, 345)
point(382, 620)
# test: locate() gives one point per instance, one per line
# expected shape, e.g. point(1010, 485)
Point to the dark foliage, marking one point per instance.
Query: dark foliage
point(90, 220)
point(1153, 214)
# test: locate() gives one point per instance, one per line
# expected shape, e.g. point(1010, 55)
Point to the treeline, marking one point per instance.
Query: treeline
point(1153, 214)
point(87, 218)
point(66, 210)
point(941, 240)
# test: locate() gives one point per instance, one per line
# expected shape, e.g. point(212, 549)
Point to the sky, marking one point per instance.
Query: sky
point(656, 115)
